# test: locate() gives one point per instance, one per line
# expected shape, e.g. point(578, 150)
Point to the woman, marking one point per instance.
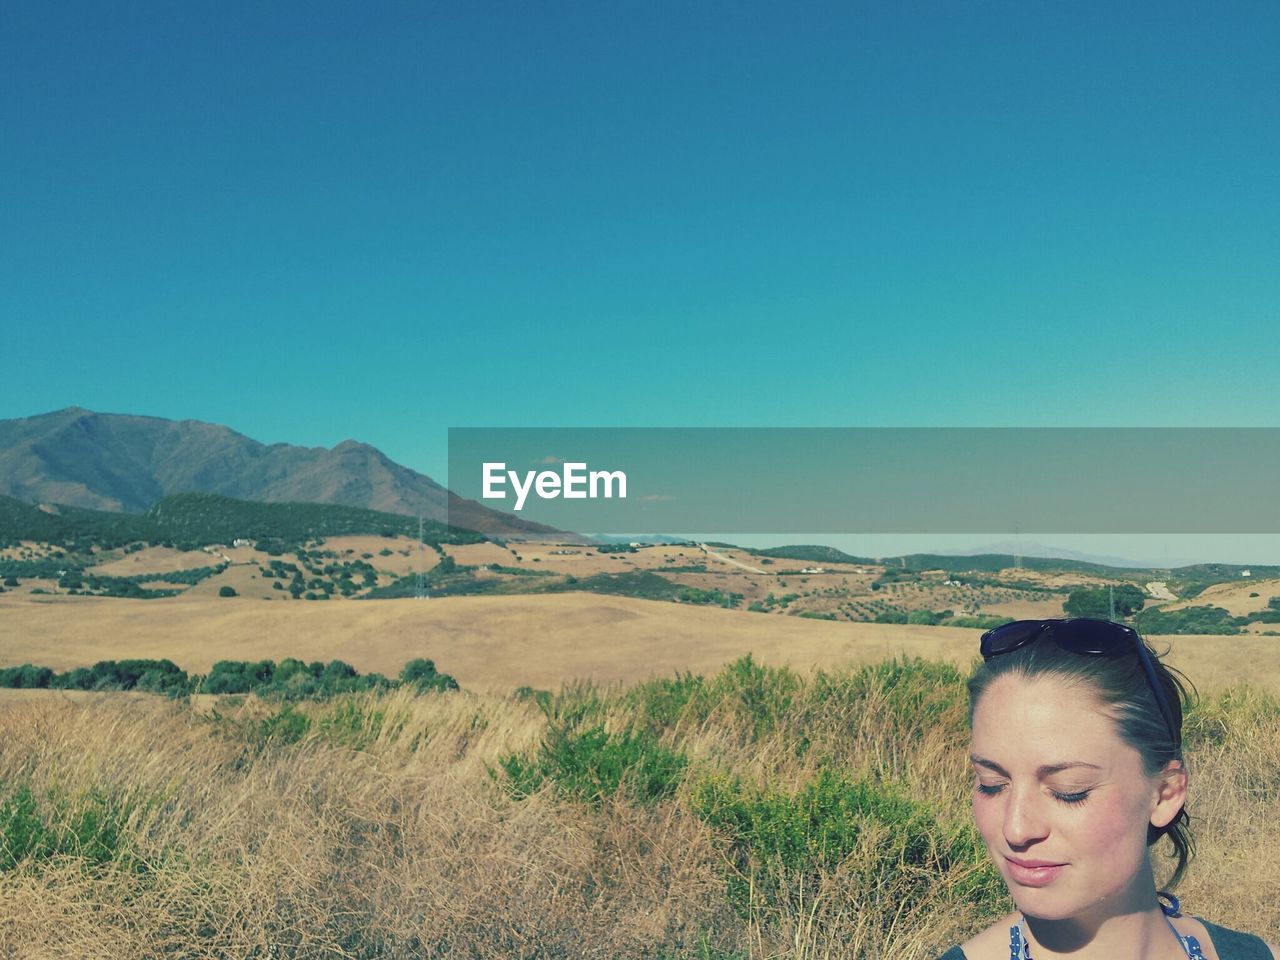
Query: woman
point(1077, 751)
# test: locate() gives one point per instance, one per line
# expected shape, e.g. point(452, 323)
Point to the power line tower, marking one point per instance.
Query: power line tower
point(420, 582)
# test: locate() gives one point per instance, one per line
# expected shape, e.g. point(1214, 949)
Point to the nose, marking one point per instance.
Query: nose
point(1024, 817)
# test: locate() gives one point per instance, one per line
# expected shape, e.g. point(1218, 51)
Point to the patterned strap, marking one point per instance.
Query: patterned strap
point(1018, 941)
point(1189, 944)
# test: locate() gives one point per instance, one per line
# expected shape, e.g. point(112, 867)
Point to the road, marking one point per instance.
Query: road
point(729, 560)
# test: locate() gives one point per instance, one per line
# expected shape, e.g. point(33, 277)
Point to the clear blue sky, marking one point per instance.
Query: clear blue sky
point(319, 221)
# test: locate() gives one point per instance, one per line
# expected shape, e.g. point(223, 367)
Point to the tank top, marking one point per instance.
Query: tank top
point(1018, 941)
point(1230, 944)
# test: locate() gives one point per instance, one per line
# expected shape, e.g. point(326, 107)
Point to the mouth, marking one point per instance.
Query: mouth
point(1033, 873)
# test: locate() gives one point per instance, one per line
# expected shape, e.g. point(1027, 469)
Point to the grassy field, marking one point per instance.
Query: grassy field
point(756, 812)
point(671, 800)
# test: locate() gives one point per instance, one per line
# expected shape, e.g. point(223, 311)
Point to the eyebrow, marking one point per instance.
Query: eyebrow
point(1045, 770)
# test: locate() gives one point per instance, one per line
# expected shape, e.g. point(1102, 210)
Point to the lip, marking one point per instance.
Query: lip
point(1033, 873)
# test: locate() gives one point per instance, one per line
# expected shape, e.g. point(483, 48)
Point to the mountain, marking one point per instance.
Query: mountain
point(1033, 549)
point(122, 462)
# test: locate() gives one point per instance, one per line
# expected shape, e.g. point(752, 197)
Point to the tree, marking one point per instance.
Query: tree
point(1096, 602)
point(422, 674)
point(227, 591)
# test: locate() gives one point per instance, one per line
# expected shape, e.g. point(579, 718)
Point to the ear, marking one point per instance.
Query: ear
point(1170, 794)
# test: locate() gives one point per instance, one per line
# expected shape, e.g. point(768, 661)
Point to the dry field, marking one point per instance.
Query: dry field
point(499, 643)
point(843, 592)
point(156, 560)
point(1237, 598)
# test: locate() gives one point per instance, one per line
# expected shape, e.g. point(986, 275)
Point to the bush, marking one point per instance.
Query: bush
point(423, 676)
point(783, 843)
point(226, 591)
point(90, 826)
point(758, 697)
point(659, 704)
point(979, 621)
point(26, 677)
point(591, 765)
point(927, 618)
point(1206, 619)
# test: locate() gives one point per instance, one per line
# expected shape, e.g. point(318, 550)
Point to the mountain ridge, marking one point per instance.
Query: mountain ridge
point(126, 462)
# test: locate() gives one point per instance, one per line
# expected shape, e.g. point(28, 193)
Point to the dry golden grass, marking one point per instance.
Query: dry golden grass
point(155, 560)
point(387, 836)
point(403, 849)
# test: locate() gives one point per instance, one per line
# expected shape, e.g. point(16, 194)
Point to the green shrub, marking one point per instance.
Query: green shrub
point(928, 618)
point(541, 697)
point(422, 675)
point(283, 727)
point(891, 616)
point(979, 621)
point(658, 704)
point(756, 696)
point(227, 591)
point(89, 825)
point(591, 765)
point(26, 677)
point(782, 843)
point(1206, 619)
point(350, 723)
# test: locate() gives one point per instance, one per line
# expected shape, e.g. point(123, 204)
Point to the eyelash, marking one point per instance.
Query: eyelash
point(1070, 799)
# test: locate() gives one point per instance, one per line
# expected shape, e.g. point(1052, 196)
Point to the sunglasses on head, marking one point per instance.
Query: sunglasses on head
point(1099, 638)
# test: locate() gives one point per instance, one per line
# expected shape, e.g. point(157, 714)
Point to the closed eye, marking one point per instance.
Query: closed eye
point(1072, 798)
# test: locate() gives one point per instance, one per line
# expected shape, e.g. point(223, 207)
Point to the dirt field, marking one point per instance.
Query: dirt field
point(156, 560)
point(1236, 598)
point(499, 643)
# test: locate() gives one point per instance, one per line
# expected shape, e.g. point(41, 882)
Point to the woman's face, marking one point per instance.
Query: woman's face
point(1061, 801)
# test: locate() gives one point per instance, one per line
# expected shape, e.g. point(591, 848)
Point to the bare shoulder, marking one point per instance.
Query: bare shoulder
point(1275, 951)
point(991, 943)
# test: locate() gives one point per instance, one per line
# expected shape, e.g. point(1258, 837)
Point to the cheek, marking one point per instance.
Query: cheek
point(1116, 825)
point(988, 816)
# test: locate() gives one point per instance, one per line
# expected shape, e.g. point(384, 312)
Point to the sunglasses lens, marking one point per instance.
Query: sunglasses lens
point(1009, 637)
point(1097, 637)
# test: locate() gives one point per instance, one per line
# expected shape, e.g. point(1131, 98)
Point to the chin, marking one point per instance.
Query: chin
point(1044, 902)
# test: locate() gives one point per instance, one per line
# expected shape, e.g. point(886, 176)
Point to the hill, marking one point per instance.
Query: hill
point(125, 463)
point(194, 520)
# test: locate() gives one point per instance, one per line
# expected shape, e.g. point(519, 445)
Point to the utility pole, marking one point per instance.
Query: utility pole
point(1111, 594)
point(420, 583)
